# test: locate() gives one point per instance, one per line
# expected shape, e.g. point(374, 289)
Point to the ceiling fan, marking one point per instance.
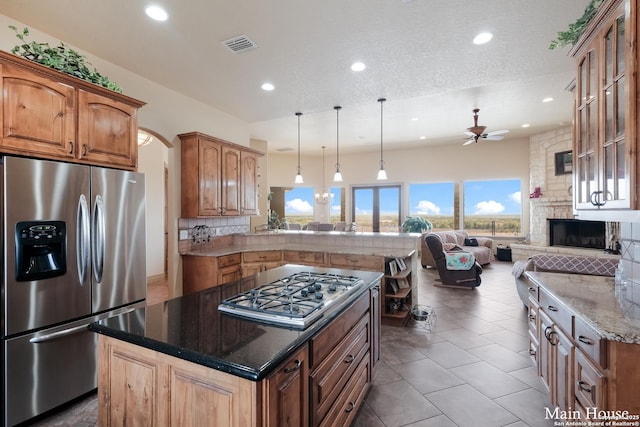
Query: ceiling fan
point(477, 132)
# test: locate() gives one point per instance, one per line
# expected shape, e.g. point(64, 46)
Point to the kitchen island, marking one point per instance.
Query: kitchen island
point(183, 361)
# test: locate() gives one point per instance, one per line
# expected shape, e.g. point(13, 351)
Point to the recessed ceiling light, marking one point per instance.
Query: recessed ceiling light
point(423, 137)
point(548, 99)
point(157, 13)
point(358, 66)
point(526, 125)
point(414, 119)
point(268, 87)
point(482, 38)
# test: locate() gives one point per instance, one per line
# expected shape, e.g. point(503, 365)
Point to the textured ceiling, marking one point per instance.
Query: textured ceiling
point(419, 55)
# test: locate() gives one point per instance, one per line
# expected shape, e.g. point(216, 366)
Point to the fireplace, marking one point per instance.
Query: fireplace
point(577, 233)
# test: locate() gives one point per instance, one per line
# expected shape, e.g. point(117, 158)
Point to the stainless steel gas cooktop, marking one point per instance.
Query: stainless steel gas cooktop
point(295, 301)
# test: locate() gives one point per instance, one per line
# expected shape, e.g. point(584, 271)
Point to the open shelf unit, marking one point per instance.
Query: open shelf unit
point(397, 290)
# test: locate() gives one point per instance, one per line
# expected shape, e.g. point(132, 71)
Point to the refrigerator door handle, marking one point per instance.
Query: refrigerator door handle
point(58, 334)
point(99, 239)
point(82, 239)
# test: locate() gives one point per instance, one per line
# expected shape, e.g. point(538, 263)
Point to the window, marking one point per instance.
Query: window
point(493, 207)
point(435, 202)
point(298, 205)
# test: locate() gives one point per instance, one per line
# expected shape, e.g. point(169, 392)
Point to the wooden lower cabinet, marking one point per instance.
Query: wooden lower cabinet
point(323, 382)
point(286, 392)
point(138, 386)
point(258, 261)
point(304, 258)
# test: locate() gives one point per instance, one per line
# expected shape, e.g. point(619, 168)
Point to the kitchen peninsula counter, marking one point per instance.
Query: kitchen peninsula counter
point(183, 361)
point(593, 299)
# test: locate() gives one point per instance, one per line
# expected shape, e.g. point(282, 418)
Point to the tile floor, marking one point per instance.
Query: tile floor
point(472, 369)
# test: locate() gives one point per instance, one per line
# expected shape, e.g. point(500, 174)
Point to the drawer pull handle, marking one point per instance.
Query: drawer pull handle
point(552, 308)
point(71, 150)
point(584, 387)
point(531, 316)
point(350, 407)
point(85, 149)
point(532, 352)
point(532, 289)
point(296, 366)
point(585, 340)
point(549, 333)
point(349, 359)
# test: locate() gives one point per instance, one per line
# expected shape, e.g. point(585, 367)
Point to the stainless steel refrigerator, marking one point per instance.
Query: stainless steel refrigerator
point(73, 252)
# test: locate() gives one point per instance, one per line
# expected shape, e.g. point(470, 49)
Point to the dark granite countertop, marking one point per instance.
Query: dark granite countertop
point(191, 327)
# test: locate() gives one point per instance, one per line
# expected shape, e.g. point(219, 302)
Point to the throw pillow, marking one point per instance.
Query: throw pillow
point(471, 241)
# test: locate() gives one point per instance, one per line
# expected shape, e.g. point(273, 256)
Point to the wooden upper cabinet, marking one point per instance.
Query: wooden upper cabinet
point(249, 184)
point(107, 131)
point(605, 172)
point(51, 115)
point(230, 183)
point(38, 114)
point(213, 176)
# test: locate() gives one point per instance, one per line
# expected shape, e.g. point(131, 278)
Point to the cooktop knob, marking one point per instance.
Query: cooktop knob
point(318, 295)
point(304, 293)
point(332, 287)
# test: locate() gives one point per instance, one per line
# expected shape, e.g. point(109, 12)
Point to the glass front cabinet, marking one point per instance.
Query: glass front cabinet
point(605, 100)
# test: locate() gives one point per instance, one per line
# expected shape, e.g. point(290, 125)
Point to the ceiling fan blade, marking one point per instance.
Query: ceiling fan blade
point(498, 132)
point(492, 137)
point(469, 142)
point(470, 134)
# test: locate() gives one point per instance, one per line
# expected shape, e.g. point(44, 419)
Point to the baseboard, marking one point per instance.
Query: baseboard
point(156, 278)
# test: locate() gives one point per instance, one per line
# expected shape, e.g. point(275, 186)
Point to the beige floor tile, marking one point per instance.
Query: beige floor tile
point(489, 380)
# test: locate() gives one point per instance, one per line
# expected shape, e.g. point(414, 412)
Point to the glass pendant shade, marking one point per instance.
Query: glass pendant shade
point(337, 177)
point(382, 175)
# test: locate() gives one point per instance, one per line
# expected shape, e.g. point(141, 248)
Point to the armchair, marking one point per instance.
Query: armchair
point(462, 278)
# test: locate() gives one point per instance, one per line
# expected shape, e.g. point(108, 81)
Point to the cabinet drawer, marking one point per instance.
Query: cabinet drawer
point(328, 380)
point(304, 257)
point(534, 347)
point(262, 256)
point(345, 408)
point(328, 338)
point(590, 342)
point(357, 262)
point(556, 311)
point(532, 317)
point(227, 260)
point(533, 290)
point(590, 383)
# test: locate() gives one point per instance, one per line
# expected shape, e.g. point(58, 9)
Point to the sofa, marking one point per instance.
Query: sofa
point(560, 264)
point(454, 240)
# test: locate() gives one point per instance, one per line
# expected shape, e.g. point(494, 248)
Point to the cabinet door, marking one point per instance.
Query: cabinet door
point(545, 353)
point(230, 184)
point(564, 350)
point(209, 177)
point(603, 151)
point(229, 274)
point(375, 307)
point(38, 115)
point(287, 392)
point(107, 131)
point(249, 183)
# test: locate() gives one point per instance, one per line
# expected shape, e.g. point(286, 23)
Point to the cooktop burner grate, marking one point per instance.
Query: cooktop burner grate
point(296, 300)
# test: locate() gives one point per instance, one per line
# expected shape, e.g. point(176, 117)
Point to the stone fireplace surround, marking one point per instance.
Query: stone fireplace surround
point(555, 201)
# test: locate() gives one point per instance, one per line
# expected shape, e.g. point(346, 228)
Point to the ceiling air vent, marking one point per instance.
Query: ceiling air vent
point(239, 44)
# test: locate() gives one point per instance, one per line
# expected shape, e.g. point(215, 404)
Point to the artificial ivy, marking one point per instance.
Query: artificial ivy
point(61, 58)
point(571, 36)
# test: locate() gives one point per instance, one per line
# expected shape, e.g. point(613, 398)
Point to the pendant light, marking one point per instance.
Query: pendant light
point(299, 179)
point(337, 177)
point(382, 174)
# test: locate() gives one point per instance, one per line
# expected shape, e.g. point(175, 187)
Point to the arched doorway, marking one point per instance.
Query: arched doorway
point(153, 153)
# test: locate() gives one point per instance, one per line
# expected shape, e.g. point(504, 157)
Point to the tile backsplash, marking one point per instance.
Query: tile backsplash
point(198, 233)
point(630, 257)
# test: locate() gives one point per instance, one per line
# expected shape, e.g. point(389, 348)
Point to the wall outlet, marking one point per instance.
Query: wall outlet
point(184, 235)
